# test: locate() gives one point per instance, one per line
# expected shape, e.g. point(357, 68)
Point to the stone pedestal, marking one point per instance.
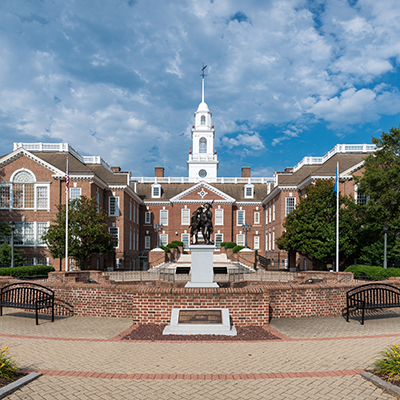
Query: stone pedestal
point(202, 275)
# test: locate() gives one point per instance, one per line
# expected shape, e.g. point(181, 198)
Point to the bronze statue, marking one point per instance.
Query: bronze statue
point(201, 220)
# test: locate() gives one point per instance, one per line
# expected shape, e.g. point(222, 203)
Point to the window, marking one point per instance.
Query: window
point(361, 198)
point(256, 242)
point(130, 211)
point(240, 239)
point(147, 217)
point(290, 205)
point(249, 191)
point(98, 201)
point(240, 217)
point(273, 239)
point(41, 230)
point(164, 217)
point(269, 211)
point(273, 210)
point(115, 232)
point(269, 240)
point(147, 242)
point(5, 199)
point(203, 145)
point(113, 206)
point(134, 213)
point(156, 190)
point(185, 216)
point(203, 120)
point(130, 240)
point(218, 238)
point(219, 216)
point(75, 193)
point(30, 233)
point(256, 218)
point(163, 239)
point(185, 238)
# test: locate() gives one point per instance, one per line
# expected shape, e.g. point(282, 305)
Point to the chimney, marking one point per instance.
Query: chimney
point(246, 172)
point(288, 169)
point(159, 172)
point(116, 169)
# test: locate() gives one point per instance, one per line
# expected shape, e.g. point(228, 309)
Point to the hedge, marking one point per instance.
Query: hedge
point(237, 248)
point(26, 270)
point(174, 244)
point(371, 272)
point(229, 245)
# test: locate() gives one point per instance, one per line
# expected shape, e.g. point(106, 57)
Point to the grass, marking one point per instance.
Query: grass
point(388, 363)
point(8, 368)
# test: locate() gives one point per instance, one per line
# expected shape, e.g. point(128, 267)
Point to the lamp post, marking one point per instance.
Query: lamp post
point(158, 228)
point(246, 228)
point(12, 226)
point(385, 230)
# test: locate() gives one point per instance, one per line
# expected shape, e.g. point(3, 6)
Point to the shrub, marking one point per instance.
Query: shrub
point(166, 249)
point(26, 271)
point(371, 272)
point(223, 244)
point(8, 368)
point(174, 244)
point(388, 364)
point(229, 245)
point(237, 249)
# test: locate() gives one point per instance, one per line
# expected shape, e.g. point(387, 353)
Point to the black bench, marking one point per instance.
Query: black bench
point(28, 296)
point(372, 296)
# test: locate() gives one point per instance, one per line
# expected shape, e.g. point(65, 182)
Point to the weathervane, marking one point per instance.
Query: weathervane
point(202, 71)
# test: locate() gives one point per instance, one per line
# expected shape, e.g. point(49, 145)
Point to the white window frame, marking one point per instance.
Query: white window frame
point(156, 190)
point(185, 216)
point(115, 206)
point(240, 239)
point(273, 210)
point(251, 194)
point(147, 217)
point(269, 212)
point(287, 206)
point(115, 232)
point(73, 193)
point(22, 229)
point(98, 202)
point(164, 217)
point(130, 239)
point(217, 241)
point(147, 242)
point(185, 239)
point(163, 239)
point(273, 239)
point(219, 216)
point(238, 212)
point(256, 242)
point(257, 218)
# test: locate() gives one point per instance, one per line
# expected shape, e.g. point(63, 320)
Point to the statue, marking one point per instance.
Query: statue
point(201, 220)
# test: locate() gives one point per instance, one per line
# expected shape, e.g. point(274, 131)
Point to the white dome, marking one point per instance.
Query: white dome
point(203, 107)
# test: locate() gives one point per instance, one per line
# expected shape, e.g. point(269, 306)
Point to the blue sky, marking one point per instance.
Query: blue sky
point(120, 78)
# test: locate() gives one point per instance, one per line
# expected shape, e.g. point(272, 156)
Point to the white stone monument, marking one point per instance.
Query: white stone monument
point(202, 273)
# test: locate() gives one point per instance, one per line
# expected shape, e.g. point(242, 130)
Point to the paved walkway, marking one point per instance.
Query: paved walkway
point(83, 358)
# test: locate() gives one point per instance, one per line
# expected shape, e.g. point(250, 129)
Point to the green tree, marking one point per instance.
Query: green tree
point(5, 255)
point(381, 182)
point(88, 232)
point(5, 231)
point(311, 227)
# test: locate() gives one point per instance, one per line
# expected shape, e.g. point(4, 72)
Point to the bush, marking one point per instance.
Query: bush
point(389, 363)
point(8, 368)
point(237, 249)
point(229, 245)
point(26, 271)
point(174, 244)
point(371, 272)
point(166, 249)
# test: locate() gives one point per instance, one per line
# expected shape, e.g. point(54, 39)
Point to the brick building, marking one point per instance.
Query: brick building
point(32, 183)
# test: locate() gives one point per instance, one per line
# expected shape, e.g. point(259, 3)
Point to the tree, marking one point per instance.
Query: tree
point(311, 227)
point(381, 182)
point(88, 232)
point(5, 256)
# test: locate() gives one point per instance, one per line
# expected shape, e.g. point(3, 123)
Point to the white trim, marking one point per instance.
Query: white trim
point(197, 187)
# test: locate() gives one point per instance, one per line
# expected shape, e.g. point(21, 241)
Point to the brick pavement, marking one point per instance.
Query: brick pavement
point(81, 360)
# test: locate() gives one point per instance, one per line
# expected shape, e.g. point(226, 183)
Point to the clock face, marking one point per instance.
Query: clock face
point(202, 173)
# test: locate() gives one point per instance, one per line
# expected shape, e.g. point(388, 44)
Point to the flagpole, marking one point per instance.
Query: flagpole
point(337, 217)
point(66, 215)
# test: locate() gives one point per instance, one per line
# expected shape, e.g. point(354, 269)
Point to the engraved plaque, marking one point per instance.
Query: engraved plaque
point(200, 317)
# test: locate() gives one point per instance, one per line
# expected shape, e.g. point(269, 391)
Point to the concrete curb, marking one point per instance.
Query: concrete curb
point(392, 389)
point(12, 387)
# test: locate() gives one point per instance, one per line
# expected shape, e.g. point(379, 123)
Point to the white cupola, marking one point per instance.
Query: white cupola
point(203, 161)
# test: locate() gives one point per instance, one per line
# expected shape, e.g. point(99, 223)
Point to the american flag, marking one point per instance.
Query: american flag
point(67, 179)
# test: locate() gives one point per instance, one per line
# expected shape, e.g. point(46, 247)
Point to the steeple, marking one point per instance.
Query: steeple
point(203, 162)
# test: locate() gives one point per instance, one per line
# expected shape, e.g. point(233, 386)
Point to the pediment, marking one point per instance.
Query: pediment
point(202, 192)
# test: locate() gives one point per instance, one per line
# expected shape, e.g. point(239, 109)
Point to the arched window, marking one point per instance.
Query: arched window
point(23, 190)
point(203, 120)
point(203, 145)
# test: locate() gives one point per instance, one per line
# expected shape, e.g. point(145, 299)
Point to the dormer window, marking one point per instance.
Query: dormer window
point(203, 120)
point(203, 145)
point(156, 190)
point(249, 191)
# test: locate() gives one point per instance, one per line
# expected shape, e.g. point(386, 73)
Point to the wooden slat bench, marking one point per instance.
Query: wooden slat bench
point(28, 296)
point(372, 296)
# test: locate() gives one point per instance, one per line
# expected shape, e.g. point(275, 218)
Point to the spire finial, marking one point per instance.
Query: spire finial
point(202, 82)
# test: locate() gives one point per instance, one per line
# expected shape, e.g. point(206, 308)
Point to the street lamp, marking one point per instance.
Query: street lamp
point(158, 228)
point(12, 226)
point(385, 230)
point(246, 228)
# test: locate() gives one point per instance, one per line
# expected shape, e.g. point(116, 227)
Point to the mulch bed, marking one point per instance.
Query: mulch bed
point(5, 382)
point(154, 332)
point(385, 378)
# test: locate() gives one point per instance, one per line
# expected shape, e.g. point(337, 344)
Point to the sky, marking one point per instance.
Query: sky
point(121, 78)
